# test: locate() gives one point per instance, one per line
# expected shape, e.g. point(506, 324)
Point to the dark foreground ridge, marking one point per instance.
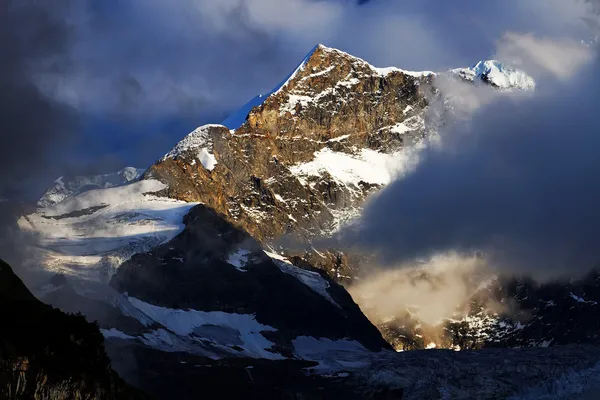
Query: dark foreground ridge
point(47, 354)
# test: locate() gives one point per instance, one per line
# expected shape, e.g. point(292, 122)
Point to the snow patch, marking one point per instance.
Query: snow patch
point(367, 166)
point(389, 70)
point(338, 139)
point(581, 299)
point(199, 139)
point(408, 125)
point(380, 71)
point(498, 74)
point(239, 259)
point(332, 355)
point(207, 160)
point(216, 326)
point(293, 102)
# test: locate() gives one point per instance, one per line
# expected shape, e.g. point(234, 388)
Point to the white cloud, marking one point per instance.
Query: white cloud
point(561, 58)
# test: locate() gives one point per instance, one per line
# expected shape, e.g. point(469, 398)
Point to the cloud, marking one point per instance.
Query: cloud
point(561, 58)
point(430, 290)
point(519, 182)
point(200, 59)
point(35, 129)
point(142, 64)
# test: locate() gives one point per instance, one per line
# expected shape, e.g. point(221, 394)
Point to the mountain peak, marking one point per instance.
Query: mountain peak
point(497, 74)
point(237, 119)
point(326, 64)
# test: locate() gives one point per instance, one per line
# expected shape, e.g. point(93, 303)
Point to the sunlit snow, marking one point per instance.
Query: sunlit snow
point(199, 139)
point(90, 234)
point(367, 165)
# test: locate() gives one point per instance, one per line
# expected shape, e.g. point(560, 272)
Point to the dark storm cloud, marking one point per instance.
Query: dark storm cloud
point(33, 38)
point(35, 129)
point(521, 183)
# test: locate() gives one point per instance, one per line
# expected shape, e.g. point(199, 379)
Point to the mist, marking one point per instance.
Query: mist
point(431, 289)
point(518, 183)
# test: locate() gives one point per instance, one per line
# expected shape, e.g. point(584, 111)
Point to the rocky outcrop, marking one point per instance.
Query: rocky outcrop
point(548, 314)
point(46, 354)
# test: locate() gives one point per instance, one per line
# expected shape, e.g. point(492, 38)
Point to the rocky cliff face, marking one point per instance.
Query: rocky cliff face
point(335, 110)
point(553, 313)
point(306, 159)
point(46, 354)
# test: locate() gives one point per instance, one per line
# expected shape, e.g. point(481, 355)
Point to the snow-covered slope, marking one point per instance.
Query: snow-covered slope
point(213, 291)
point(214, 334)
point(91, 233)
point(65, 187)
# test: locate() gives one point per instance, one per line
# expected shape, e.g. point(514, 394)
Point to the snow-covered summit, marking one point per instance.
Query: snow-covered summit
point(199, 140)
point(497, 74)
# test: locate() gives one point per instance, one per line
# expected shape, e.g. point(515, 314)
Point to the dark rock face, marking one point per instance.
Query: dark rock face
point(193, 271)
point(46, 354)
